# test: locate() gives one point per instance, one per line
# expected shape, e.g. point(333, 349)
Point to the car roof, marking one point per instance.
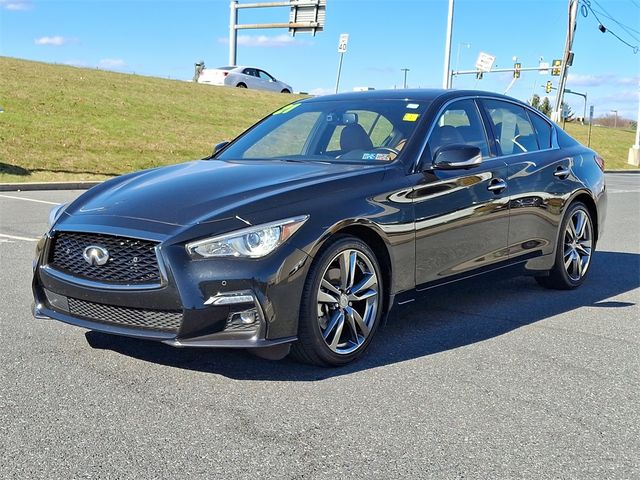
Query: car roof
point(421, 94)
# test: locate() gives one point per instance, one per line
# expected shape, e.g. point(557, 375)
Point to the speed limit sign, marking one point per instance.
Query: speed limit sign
point(342, 44)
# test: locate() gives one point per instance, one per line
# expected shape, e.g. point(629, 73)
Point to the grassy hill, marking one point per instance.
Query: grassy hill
point(611, 143)
point(68, 123)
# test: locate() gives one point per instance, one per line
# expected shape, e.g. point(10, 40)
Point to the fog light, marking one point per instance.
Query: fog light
point(248, 316)
point(244, 320)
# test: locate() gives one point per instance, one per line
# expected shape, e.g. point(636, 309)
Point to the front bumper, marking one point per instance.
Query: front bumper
point(183, 311)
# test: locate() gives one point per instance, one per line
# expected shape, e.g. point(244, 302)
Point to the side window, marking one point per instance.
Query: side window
point(288, 139)
point(543, 129)
point(460, 123)
point(264, 76)
point(513, 131)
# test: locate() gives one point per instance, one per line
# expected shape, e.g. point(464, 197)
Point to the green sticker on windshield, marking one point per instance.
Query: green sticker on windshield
point(286, 108)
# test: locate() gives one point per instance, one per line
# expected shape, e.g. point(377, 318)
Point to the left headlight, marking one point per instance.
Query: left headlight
point(252, 242)
point(55, 213)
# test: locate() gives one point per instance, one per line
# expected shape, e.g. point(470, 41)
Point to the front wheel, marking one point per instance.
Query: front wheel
point(575, 247)
point(342, 304)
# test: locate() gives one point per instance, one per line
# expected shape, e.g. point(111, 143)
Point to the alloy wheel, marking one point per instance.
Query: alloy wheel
point(348, 301)
point(578, 238)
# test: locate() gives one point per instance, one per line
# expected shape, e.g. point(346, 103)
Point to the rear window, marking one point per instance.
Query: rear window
point(543, 129)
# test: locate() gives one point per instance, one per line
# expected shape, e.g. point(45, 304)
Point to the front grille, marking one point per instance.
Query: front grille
point(123, 316)
point(131, 260)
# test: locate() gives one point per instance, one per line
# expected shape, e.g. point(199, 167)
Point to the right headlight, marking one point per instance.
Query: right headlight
point(55, 213)
point(252, 242)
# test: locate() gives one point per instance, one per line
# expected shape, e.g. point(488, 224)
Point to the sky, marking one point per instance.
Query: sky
point(165, 38)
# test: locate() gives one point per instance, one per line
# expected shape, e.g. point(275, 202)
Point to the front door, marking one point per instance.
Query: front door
point(461, 216)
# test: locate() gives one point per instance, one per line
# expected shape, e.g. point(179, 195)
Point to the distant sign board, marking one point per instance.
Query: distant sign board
point(307, 16)
point(544, 68)
point(342, 43)
point(484, 63)
point(590, 113)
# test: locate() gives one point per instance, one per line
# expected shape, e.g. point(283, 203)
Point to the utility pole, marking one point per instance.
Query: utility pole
point(405, 70)
point(566, 59)
point(446, 79)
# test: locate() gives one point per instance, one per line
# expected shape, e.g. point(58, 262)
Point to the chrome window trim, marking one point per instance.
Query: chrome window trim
point(554, 134)
point(65, 277)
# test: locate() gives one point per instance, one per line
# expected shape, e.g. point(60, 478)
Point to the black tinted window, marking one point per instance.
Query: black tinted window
point(543, 129)
point(511, 126)
point(460, 123)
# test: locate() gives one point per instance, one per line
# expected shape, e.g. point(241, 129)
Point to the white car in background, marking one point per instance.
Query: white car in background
point(243, 77)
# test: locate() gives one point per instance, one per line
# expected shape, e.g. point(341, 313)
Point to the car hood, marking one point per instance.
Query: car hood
point(205, 190)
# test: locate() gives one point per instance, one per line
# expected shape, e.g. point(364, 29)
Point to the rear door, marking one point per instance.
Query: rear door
point(539, 176)
point(250, 77)
point(461, 216)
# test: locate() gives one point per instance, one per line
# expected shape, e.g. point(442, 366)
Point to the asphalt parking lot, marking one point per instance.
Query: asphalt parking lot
point(481, 380)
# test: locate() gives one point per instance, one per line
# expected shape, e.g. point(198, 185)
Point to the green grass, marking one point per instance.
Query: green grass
point(612, 144)
point(67, 123)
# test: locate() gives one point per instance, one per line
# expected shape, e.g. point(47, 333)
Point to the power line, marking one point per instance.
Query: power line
point(603, 29)
point(627, 28)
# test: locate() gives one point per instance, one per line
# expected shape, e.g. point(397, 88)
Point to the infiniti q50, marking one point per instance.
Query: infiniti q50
point(301, 234)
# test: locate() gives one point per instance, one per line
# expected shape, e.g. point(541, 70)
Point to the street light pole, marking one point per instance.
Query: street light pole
point(634, 151)
point(615, 119)
point(446, 78)
point(233, 32)
point(405, 70)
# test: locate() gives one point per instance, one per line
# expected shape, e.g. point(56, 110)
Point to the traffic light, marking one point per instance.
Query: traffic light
point(555, 68)
point(516, 70)
point(548, 86)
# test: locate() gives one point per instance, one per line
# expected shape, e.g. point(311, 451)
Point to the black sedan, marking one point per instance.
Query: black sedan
point(302, 233)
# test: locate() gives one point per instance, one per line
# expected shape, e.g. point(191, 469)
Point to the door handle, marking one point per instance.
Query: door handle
point(562, 172)
point(497, 185)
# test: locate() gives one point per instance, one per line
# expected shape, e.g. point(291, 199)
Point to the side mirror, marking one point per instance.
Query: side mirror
point(218, 147)
point(451, 157)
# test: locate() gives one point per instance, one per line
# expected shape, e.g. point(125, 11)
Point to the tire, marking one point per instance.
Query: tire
point(340, 312)
point(573, 255)
point(285, 90)
point(241, 85)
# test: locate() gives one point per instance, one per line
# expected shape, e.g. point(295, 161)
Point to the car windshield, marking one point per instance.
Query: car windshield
point(350, 131)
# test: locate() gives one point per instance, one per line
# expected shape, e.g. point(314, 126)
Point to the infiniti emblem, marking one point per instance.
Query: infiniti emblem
point(95, 255)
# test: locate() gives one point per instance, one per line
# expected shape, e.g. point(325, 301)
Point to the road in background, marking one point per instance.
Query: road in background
point(478, 380)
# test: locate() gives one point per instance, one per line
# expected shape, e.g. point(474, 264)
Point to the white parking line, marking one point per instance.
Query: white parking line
point(29, 199)
point(15, 237)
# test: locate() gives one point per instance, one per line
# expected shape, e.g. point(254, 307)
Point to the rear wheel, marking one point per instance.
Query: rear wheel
point(341, 304)
point(285, 90)
point(574, 250)
point(241, 85)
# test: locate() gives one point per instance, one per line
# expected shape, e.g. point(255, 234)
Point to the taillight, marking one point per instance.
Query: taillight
point(225, 74)
point(600, 161)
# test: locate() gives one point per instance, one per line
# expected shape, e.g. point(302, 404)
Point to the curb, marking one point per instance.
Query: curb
point(632, 171)
point(17, 187)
